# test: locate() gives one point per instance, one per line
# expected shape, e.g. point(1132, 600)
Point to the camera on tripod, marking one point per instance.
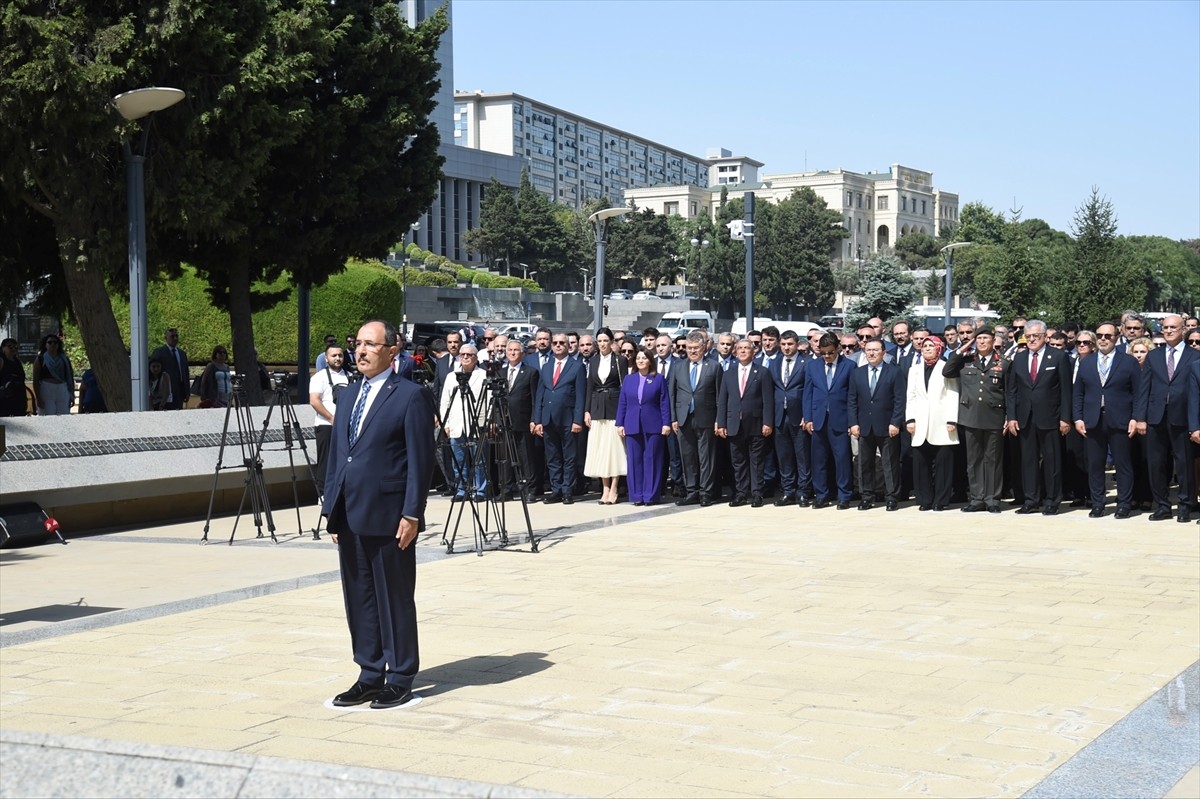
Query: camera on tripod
point(495, 380)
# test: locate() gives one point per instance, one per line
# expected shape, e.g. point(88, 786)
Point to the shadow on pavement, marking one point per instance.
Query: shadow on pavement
point(479, 670)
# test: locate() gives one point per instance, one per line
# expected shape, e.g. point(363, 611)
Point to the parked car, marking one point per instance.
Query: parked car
point(620, 294)
point(645, 295)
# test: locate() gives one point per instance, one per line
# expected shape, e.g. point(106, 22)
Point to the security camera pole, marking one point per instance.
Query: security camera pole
point(600, 221)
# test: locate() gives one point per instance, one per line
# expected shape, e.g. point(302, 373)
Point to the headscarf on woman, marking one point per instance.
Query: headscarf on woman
point(941, 346)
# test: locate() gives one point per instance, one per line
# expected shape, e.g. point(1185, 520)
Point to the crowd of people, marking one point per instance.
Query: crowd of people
point(982, 414)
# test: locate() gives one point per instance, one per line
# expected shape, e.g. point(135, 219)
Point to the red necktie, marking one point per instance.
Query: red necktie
point(557, 372)
point(1033, 368)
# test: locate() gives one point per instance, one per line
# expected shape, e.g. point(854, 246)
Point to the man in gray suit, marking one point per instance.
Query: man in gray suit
point(692, 387)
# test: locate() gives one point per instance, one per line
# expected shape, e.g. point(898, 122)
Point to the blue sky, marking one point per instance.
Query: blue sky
point(1003, 101)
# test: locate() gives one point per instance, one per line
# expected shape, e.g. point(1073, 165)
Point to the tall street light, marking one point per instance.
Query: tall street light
point(414, 227)
point(133, 105)
point(697, 245)
point(949, 250)
point(600, 221)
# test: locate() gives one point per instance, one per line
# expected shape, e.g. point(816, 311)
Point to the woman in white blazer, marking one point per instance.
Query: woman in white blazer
point(932, 412)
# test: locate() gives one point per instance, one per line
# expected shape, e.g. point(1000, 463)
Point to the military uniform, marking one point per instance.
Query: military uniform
point(981, 416)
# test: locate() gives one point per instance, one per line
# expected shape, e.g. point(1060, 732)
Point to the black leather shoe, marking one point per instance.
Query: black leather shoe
point(392, 696)
point(1096, 513)
point(1160, 514)
point(820, 503)
point(865, 505)
point(1184, 517)
point(690, 499)
point(843, 506)
point(786, 499)
point(359, 693)
point(993, 509)
point(1050, 510)
point(925, 507)
point(804, 502)
point(737, 502)
point(973, 507)
point(939, 507)
point(893, 506)
point(757, 502)
point(705, 502)
point(568, 500)
point(553, 499)
point(1122, 513)
point(1027, 509)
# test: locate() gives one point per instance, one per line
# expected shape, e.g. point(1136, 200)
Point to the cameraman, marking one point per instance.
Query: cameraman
point(324, 388)
point(463, 390)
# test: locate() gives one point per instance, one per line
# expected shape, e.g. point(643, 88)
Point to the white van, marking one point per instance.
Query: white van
point(680, 323)
point(934, 316)
point(739, 328)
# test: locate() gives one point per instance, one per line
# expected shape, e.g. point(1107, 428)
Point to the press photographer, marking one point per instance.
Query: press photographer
point(463, 410)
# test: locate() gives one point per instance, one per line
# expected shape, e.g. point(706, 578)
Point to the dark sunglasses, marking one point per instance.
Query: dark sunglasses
point(1106, 335)
point(1193, 342)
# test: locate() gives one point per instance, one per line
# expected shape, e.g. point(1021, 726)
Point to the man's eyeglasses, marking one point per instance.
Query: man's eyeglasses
point(368, 345)
point(489, 338)
point(558, 343)
point(1105, 335)
point(849, 348)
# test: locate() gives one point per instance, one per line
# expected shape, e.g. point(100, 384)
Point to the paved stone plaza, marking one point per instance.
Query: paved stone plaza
point(641, 652)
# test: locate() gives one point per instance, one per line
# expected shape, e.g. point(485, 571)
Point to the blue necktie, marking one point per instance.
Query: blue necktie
point(874, 379)
point(356, 417)
point(692, 404)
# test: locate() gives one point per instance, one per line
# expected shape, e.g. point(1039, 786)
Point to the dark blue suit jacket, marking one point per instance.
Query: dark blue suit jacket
point(1194, 397)
point(793, 392)
point(1160, 398)
point(833, 404)
point(1119, 392)
point(385, 476)
point(751, 410)
point(650, 415)
point(873, 414)
point(561, 405)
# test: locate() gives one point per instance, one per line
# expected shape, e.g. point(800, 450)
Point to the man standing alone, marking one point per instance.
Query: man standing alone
point(381, 453)
point(175, 367)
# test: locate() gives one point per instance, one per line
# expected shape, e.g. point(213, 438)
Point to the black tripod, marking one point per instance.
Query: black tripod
point(255, 486)
point(488, 438)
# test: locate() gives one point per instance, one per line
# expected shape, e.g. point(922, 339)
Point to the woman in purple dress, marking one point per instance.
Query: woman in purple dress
point(644, 420)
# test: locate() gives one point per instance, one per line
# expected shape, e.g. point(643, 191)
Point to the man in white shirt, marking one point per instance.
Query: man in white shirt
point(322, 388)
point(459, 396)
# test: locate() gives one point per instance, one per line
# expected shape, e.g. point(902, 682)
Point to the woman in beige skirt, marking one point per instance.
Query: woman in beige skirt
point(605, 450)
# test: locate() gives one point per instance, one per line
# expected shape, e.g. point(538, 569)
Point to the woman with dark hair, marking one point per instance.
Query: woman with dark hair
point(53, 378)
point(605, 452)
point(12, 380)
point(160, 386)
point(644, 421)
point(215, 388)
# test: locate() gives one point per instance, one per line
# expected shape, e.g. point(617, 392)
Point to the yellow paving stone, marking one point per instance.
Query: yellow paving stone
point(222, 739)
point(582, 783)
point(32, 720)
point(308, 728)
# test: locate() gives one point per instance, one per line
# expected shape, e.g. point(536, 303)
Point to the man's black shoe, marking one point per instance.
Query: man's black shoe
point(843, 506)
point(705, 502)
point(925, 507)
point(568, 499)
point(939, 507)
point(757, 502)
point(553, 499)
point(973, 507)
point(865, 505)
point(893, 505)
point(1122, 513)
point(392, 696)
point(1160, 514)
point(786, 499)
point(737, 502)
point(804, 502)
point(1027, 509)
point(359, 693)
point(690, 499)
point(820, 503)
point(1050, 510)
point(1095, 513)
point(1184, 517)
point(993, 509)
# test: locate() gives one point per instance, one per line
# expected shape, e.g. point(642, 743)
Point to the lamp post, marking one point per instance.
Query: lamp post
point(697, 245)
point(414, 227)
point(134, 105)
point(600, 221)
point(949, 250)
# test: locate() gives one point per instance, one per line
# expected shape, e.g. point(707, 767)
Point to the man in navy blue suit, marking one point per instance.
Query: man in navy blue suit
point(381, 463)
point(1194, 403)
point(745, 411)
point(827, 419)
point(1161, 414)
point(791, 439)
point(876, 410)
point(1105, 388)
point(558, 416)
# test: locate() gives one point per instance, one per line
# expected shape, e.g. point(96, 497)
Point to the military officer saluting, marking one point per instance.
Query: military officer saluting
point(981, 373)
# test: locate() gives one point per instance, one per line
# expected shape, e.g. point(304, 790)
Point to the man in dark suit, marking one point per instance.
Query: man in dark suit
point(1194, 403)
point(1106, 386)
point(381, 462)
point(876, 411)
point(1038, 409)
point(692, 387)
point(792, 441)
point(745, 410)
point(665, 361)
point(522, 381)
point(1161, 414)
point(540, 356)
point(982, 376)
point(827, 419)
point(175, 367)
point(558, 416)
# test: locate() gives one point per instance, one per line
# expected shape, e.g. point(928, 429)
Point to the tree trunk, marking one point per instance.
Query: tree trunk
point(245, 355)
point(97, 324)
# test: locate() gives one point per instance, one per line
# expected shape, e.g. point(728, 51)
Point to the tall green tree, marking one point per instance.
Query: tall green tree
point(641, 245)
point(887, 291)
point(918, 251)
point(1010, 275)
point(498, 235)
point(979, 224)
point(1099, 281)
point(798, 264)
point(544, 244)
point(1170, 269)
